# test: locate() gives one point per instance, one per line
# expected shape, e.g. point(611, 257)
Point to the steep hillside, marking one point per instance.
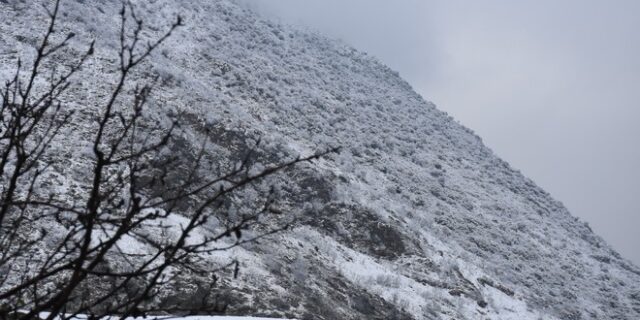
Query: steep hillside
point(414, 219)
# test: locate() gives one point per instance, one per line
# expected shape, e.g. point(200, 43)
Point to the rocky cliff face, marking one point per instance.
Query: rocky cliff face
point(414, 219)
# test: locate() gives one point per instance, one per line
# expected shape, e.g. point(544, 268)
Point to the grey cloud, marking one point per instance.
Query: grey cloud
point(551, 86)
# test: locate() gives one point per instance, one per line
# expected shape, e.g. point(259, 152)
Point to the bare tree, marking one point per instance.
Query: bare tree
point(70, 273)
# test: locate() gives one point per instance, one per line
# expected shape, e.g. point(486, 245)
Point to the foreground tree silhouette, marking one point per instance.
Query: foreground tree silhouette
point(130, 195)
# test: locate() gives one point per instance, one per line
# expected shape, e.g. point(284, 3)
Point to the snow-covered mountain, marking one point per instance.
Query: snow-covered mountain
point(414, 219)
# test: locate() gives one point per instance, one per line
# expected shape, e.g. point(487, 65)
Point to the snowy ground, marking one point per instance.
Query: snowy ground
point(81, 317)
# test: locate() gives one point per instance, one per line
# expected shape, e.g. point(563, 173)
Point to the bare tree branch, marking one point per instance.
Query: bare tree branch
point(69, 270)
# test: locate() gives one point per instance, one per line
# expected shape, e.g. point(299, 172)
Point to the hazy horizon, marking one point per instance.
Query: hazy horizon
point(551, 87)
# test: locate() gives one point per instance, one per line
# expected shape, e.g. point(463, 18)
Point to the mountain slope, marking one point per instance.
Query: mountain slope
point(416, 218)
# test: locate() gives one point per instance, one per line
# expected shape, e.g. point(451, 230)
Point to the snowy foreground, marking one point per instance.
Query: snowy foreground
point(81, 317)
point(415, 219)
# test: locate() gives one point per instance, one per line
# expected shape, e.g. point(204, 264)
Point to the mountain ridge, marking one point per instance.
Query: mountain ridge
point(416, 218)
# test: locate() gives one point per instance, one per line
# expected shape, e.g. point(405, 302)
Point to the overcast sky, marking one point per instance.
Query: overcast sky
point(553, 87)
